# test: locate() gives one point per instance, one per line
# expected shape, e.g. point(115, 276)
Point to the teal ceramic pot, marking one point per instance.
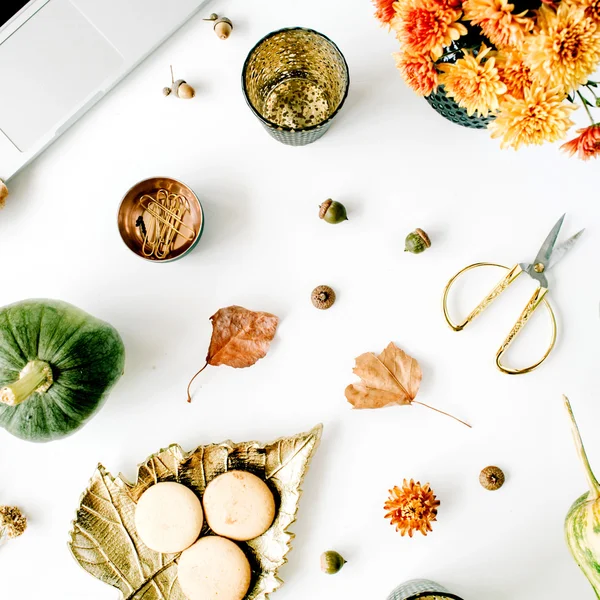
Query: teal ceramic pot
point(421, 588)
point(450, 110)
point(439, 101)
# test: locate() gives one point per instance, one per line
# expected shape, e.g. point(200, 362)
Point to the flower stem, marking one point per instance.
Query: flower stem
point(441, 412)
point(587, 110)
point(35, 377)
point(189, 397)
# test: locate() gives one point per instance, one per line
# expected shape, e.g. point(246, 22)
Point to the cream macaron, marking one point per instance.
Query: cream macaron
point(168, 517)
point(214, 569)
point(238, 505)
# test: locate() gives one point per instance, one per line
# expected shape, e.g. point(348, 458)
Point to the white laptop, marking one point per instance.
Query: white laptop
point(59, 57)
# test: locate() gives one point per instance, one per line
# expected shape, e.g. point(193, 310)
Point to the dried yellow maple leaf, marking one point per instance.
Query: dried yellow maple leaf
point(240, 337)
point(393, 377)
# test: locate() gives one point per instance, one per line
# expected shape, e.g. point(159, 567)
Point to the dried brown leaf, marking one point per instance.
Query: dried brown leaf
point(393, 377)
point(240, 337)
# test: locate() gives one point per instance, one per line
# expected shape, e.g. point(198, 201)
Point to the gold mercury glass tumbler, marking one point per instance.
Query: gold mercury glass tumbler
point(295, 81)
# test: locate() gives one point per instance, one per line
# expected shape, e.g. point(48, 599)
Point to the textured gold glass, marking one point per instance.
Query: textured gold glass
point(295, 81)
point(105, 543)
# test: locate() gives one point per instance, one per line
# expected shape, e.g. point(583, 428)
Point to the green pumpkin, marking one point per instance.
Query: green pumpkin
point(57, 365)
point(582, 525)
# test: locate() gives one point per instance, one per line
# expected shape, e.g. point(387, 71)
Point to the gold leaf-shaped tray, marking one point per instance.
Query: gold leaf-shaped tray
point(105, 543)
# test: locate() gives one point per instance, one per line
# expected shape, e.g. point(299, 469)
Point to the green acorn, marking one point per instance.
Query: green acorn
point(332, 562)
point(333, 212)
point(417, 242)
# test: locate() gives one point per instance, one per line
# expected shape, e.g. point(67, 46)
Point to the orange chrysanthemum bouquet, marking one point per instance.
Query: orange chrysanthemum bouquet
point(518, 69)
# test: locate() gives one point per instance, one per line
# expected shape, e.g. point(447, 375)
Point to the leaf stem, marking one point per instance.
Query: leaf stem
point(587, 110)
point(442, 412)
point(189, 397)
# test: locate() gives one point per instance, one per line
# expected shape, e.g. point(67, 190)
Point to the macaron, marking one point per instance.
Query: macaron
point(238, 505)
point(214, 569)
point(168, 517)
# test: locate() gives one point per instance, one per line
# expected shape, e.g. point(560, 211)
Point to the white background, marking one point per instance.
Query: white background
point(397, 165)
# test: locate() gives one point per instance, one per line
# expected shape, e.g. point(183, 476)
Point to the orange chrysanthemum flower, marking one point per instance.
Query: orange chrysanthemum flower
point(591, 8)
point(426, 26)
point(541, 116)
point(514, 72)
point(566, 50)
point(473, 82)
point(385, 10)
point(498, 21)
point(412, 508)
point(586, 145)
point(418, 71)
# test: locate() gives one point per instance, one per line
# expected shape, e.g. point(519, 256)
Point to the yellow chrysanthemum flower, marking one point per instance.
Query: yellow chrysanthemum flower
point(514, 72)
point(473, 82)
point(498, 21)
point(566, 50)
point(427, 26)
point(541, 116)
point(418, 71)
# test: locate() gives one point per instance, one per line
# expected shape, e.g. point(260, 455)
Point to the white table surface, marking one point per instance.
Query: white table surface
point(397, 165)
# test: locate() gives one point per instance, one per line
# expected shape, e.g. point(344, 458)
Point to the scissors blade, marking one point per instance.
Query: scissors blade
point(543, 256)
point(562, 249)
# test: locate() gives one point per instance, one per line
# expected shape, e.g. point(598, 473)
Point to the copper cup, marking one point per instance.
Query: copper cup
point(131, 209)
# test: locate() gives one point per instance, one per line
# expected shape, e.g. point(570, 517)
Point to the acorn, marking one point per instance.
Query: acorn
point(222, 26)
point(180, 88)
point(3, 194)
point(417, 241)
point(323, 297)
point(332, 562)
point(492, 478)
point(333, 212)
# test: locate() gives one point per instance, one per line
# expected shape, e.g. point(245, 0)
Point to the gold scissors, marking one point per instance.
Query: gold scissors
point(546, 258)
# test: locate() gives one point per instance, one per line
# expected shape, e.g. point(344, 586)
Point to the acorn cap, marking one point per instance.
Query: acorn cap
point(323, 297)
point(492, 478)
point(423, 235)
point(324, 207)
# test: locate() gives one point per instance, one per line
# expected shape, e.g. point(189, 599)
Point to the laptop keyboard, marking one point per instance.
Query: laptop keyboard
point(9, 8)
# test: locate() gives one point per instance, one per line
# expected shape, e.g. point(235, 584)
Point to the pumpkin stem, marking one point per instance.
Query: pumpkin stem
point(36, 376)
point(592, 481)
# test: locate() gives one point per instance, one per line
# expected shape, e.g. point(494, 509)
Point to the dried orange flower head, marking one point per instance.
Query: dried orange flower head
point(12, 522)
point(412, 508)
point(586, 145)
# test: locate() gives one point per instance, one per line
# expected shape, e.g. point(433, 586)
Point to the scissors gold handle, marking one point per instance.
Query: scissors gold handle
point(537, 298)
